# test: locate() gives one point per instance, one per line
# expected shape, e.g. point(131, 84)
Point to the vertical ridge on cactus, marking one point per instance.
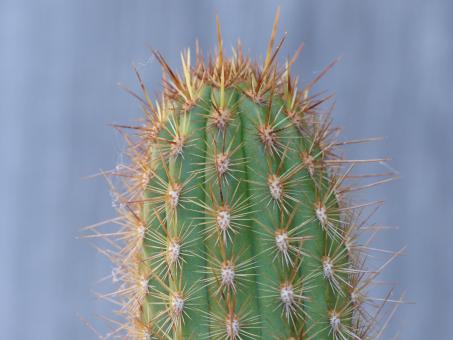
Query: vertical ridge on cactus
point(233, 211)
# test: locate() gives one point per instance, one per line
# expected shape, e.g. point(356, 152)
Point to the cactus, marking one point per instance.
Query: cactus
point(234, 219)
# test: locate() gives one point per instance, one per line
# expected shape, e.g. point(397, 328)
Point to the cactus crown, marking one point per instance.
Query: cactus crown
point(233, 211)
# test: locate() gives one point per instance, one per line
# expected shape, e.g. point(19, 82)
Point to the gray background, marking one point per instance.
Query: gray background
point(59, 65)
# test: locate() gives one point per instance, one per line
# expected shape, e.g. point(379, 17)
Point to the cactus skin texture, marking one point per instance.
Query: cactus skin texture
point(234, 221)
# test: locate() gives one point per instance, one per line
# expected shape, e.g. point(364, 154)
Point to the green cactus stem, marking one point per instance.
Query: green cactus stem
point(234, 218)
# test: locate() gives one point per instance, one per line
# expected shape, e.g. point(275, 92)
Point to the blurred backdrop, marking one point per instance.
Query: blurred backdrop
point(60, 62)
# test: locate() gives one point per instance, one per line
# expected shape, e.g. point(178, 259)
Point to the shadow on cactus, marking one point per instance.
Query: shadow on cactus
point(234, 215)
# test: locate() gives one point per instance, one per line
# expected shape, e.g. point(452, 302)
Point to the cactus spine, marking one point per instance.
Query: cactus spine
point(233, 218)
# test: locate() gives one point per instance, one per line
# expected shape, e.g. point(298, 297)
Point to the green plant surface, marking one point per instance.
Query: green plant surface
point(234, 218)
